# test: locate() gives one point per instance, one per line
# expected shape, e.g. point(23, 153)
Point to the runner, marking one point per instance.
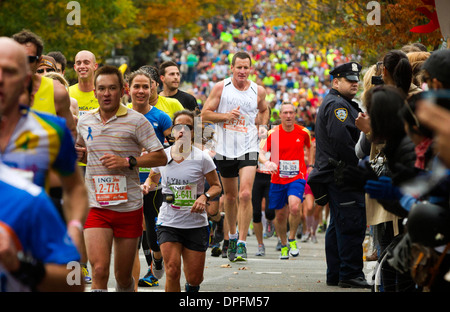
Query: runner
point(238, 106)
point(286, 143)
point(110, 142)
point(183, 231)
point(37, 143)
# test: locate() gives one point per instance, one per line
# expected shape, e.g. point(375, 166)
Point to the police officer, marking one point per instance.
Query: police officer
point(336, 137)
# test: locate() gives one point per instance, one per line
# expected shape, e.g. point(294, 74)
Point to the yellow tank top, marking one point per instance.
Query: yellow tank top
point(168, 105)
point(86, 100)
point(44, 99)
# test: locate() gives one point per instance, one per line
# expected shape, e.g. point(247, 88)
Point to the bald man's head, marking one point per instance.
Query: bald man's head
point(85, 65)
point(15, 74)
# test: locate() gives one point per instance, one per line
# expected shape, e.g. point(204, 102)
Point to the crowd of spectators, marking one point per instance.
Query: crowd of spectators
point(289, 72)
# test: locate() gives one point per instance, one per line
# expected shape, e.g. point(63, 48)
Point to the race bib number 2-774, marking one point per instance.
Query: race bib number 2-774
point(110, 189)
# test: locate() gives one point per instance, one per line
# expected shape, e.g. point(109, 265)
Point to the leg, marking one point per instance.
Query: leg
point(230, 189)
point(98, 248)
point(124, 255)
point(194, 264)
point(257, 198)
point(136, 270)
point(308, 213)
point(295, 206)
point(245, 209)
point(171, 252)
point(281, 217)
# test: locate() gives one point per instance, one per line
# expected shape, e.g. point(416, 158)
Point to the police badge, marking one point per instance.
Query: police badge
point(341, 114)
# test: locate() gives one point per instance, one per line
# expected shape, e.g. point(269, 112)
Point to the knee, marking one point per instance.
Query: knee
point(295, 210)
point(257, 217)
point(281, 215)
point(173, 271)
point(245, 196)
point(100, 271)
point(229, 197)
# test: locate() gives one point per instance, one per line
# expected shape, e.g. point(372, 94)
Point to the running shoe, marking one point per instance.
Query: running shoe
point(293, 250)
point(158, 267)
point(261, 250)
point(278, 247)
point(270, 229)
point(305, 237)
point(241, 253)
point(216, 251)
point(284, 253)
point(149, 280)
point(313, 239)
point(231, 252)
point(87, 276)
point(224, 248)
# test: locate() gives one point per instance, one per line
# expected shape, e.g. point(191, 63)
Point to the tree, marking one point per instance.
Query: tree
point(104, 24)
point(345, 24)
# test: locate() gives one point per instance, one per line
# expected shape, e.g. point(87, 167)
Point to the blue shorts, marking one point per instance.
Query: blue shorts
point(279, 193)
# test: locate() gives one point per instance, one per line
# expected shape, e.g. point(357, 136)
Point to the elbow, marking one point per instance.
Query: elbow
point(162, 158)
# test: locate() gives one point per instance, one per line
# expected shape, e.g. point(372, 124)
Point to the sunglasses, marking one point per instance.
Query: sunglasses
point(46, 70)
point(32, 58)
point(179, 127)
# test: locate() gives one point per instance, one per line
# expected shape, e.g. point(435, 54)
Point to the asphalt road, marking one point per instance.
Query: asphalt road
point(267, 274)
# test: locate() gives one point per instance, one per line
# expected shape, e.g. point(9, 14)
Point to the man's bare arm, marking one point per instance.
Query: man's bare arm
point(62, 106)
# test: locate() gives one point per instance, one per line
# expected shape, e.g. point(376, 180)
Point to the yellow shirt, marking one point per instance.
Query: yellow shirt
point(86, 100)
point(169, 105)
point(44, 99)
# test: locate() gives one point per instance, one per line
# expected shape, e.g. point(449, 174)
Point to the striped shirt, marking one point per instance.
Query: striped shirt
point(125, 134)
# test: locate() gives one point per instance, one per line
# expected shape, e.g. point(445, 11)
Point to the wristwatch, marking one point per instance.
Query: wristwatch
point(132, 162)
point(208, 197)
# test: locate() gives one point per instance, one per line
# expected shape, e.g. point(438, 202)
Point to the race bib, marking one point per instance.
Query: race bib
point(239, 125)
point(289, 168)
point(110, 190)
point(184, 196)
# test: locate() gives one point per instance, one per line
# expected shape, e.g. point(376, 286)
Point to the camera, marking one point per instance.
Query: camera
point(377, 80)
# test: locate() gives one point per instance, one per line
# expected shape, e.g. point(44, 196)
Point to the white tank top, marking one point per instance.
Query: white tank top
point(240, 137)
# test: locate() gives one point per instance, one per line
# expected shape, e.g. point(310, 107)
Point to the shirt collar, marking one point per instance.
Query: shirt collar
point(122, 111)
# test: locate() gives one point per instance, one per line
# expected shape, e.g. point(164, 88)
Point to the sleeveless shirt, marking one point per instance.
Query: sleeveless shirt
point(44, 99)
point(239, 137)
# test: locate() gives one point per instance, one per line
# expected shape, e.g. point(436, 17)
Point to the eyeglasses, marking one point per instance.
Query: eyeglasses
point(32, 58)
point(180, 127)
point(46, 70)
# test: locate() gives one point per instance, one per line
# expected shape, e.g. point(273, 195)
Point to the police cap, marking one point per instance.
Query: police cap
point(350, 71)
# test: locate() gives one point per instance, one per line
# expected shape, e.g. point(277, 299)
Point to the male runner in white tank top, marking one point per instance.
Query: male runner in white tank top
point(238, 107)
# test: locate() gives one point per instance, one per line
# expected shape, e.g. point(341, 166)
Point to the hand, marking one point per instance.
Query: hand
point(81, 152)
point(200, 205)
point(111, 161)
point(383, 189)
point(234, 114)
point(271, 166)
point(362, 122)
point(145, 189)
point(8, 252)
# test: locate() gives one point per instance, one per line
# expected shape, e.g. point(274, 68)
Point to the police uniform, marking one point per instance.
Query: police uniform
point(336, 137)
